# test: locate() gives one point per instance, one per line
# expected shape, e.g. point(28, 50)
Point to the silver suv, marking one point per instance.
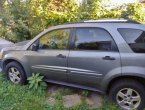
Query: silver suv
point(106, 55)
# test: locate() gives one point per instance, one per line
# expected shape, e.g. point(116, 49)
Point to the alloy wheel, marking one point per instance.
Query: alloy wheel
point(128, 98)
point(14, 75)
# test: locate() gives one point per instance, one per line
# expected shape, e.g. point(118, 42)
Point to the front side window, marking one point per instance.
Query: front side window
point(93, 39)
point(135, 39)
point(57, 39)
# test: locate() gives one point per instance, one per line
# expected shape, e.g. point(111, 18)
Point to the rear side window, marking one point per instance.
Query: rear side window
point(135, 39)
point(94, 39)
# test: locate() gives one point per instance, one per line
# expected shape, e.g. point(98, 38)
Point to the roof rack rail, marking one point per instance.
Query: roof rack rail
point(116, 20)
point(108, 20)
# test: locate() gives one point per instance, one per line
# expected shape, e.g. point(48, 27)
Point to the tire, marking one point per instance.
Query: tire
point(127, 91)
point(15, 73)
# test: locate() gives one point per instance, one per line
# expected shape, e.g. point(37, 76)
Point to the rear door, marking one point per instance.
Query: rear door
point(93, 55)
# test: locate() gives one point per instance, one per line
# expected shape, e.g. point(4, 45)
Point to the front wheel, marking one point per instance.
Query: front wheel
point(15, 73)
point(128, 94)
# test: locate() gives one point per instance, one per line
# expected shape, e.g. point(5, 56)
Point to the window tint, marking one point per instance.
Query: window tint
point(57, 39)
point(93, 39)
point(135, 39)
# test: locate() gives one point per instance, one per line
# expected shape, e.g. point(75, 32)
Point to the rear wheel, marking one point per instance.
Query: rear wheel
point(15, 73)
point(128, 94)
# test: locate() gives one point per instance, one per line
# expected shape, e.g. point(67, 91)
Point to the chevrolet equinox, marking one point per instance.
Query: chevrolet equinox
point(105, 55)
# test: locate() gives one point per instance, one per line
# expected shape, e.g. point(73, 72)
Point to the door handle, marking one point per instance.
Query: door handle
point(108, 58)
point(61, 56)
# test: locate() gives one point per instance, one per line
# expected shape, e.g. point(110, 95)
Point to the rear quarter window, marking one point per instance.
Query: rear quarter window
point(135, 39)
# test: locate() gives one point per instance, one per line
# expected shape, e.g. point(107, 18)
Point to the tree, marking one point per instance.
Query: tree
point(90, 9)
point(134, 11)
point(25, 19)
point(1, 5)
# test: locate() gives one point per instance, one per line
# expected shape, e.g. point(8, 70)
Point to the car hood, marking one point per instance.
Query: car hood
point(21, 43)
point(13, 48)
point(16, 46)
point(5, 43)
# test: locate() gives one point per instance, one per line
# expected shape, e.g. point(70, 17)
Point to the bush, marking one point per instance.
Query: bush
point(36, 82)
point(15, 97)
point(24, 20)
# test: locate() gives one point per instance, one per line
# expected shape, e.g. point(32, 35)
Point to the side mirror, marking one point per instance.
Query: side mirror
point(34, 47)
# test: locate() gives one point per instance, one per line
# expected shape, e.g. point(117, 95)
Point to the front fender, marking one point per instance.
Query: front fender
point(18, 58)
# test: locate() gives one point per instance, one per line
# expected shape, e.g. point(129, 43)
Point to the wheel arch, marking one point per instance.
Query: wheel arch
point(6, 61)
point(136, 78)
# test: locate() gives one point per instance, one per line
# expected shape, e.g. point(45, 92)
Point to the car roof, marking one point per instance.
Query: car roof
point(109, 24)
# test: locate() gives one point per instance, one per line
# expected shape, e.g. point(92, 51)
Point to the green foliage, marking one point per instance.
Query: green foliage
point(85, 93)
point(23, 20)
point(92, 10)
point(36, 82)
point(109, 106)
point(16, 97)
point(135, 11)
point(81, 107)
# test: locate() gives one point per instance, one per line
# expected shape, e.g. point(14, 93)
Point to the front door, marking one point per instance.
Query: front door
point(94, 54)
point(51, 58)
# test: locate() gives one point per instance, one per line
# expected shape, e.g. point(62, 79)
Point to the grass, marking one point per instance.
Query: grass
point(16, 97)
